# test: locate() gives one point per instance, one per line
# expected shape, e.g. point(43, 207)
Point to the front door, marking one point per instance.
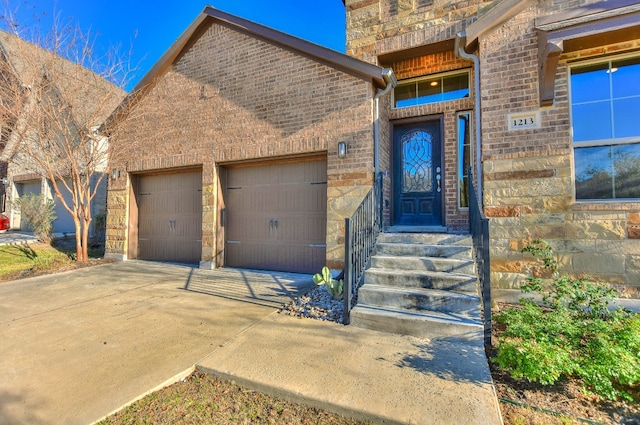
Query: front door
point(417, 174)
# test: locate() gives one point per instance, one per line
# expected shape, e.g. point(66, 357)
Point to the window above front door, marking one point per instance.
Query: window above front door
point(431, 89)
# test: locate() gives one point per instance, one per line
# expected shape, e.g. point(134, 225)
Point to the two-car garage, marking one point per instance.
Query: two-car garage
point(273, 217)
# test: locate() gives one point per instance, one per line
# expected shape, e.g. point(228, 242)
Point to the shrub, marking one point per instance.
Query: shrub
point(40, 214)
point(572, 334)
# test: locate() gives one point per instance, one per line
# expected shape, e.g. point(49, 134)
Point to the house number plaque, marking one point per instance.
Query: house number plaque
point(524, 120)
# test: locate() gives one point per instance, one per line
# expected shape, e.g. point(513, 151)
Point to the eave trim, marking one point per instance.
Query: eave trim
point(557, 31)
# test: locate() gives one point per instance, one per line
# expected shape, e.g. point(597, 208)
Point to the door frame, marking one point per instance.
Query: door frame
point(392, 160)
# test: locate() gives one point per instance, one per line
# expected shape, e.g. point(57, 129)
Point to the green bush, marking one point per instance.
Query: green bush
point(39, 213)
point(572, 334)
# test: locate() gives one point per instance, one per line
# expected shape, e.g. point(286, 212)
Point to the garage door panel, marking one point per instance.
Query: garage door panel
point(170, 217)
point(276, 216)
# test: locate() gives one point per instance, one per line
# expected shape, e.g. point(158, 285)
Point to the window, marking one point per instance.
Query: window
point(465, 157)
point(605, 100)
point(438, 88)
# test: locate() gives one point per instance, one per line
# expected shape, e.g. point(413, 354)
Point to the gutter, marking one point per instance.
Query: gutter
point(390, 79)
point(461, 41)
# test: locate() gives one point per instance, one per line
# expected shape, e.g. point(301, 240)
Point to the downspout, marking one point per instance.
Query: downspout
point(460, 52)
point(390, 79)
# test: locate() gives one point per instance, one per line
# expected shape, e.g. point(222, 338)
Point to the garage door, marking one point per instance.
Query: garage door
point(170, 217)
point(276, 216)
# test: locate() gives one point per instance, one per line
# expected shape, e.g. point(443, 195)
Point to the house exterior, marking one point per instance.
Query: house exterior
point(250, 134)
point(235, 159)
point(558, 149)
point(32, 74)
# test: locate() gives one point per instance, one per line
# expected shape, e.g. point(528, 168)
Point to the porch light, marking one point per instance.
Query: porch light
point(342, 150)
point(115, 174)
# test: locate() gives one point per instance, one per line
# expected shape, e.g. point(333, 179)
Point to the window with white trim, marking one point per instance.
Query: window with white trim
point(605, 118)
point(431, 89)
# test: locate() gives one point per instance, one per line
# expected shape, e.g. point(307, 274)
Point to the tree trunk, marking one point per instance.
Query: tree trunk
point(85, 239)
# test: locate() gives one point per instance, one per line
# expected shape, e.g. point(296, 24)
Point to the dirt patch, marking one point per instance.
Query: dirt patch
point(205, 399)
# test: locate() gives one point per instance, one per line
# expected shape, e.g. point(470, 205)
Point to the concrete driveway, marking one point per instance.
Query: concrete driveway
point(76, 346)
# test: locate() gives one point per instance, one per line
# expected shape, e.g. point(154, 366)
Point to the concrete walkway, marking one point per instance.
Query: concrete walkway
point(13, 237)
point(77, 346)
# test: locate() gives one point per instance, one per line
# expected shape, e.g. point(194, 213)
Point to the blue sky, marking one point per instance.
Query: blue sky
point(151, 27)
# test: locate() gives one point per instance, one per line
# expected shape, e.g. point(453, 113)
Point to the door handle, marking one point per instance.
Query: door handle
point(438, 179)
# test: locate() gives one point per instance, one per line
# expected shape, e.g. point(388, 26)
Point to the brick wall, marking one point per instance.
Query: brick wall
point(528, 176)
point(528, 182)
point(378, 27)
point(232, 97)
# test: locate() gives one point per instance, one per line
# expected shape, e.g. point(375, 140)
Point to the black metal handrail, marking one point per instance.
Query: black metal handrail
point(479, 226)
point(361, 231)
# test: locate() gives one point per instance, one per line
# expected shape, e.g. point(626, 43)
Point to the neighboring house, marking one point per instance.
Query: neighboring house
point(77, 89)
point(237, 161)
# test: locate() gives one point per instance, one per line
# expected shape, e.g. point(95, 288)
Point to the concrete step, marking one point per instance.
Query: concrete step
point(421, 279)
point(463, 305)
point(422, 324)
point(422, 250)
point(433, 264)
point(426, 238)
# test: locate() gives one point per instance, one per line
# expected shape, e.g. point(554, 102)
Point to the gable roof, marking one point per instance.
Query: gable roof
point(210, 15)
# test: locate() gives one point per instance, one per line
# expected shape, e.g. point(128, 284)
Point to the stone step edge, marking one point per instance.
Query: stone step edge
point(423, 315)
point(403, 290)
point(430, 273)
point(467, 261)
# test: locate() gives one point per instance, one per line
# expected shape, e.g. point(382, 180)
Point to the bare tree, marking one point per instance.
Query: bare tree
point(56, 91)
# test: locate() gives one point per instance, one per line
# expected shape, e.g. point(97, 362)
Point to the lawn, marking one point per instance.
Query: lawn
point(17, 260)
point(34, 259)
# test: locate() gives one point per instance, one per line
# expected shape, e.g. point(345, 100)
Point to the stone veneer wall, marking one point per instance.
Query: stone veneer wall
point(377, 27)
point(528, 182)
point(528, 174)
point(231, 97)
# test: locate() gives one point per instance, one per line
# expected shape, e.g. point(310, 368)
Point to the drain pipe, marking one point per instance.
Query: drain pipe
point(461, 39)
point(390, 79)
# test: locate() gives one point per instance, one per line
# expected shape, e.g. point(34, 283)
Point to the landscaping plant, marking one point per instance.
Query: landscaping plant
point(573, 333)
point(334, 286)
point(39, 212)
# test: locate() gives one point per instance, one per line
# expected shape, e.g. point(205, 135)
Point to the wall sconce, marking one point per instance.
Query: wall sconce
point(5, 181)
point(115, 174)
point(342, 150)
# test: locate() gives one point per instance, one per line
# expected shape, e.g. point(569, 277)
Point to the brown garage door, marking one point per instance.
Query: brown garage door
point(276, 216)
point(170, 217)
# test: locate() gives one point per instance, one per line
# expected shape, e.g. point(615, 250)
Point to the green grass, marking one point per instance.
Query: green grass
point(15, 259)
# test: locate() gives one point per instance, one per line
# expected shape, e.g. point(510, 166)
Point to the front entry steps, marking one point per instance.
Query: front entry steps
point(421, 284)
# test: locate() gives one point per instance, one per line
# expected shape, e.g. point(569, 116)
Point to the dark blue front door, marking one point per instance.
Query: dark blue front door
point(417, 174)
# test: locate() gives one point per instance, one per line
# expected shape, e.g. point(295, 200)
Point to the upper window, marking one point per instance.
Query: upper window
point(438, 88)
point(605, 100)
